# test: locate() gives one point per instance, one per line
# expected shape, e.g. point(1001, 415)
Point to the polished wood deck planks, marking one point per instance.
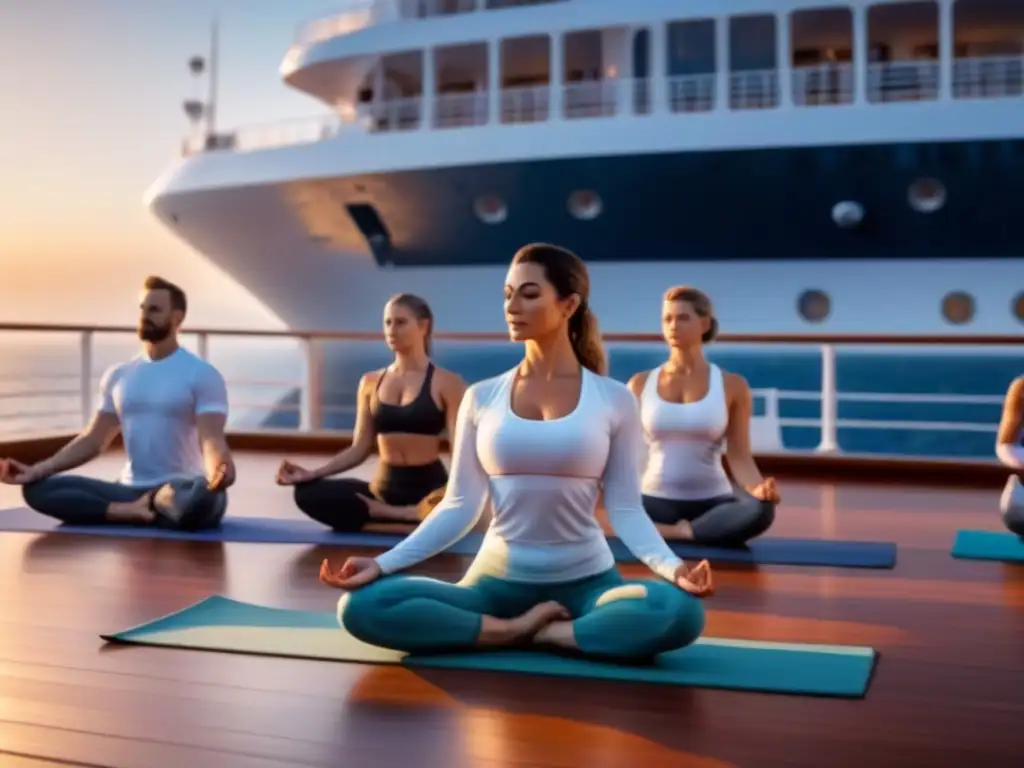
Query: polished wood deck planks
point(949, 686)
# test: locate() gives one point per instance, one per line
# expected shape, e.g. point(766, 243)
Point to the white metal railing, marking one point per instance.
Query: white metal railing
point(823, 84)
point(903, 81)
point(357, 14)
point(525, 104)
point(988, 77)
point(37, 397)
point(592, 98)
point(692, 93)
point(813, 86)
point(459, 110)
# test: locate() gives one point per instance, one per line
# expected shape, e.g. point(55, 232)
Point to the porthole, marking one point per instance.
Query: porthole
point(490, 209)
point(926, 195)
point(958, 307)
point(1017, 307)
point(847, 214)
point(585, 204)
point(814, 306)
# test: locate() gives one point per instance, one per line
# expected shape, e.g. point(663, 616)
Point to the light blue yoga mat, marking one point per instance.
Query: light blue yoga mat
point(767, 551)
point(221, 624)
point(989, 545)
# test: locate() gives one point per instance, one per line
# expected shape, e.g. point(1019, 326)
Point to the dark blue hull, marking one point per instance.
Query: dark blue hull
point(714, 205)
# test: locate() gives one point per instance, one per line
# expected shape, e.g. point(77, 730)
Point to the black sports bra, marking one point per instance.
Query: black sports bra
point(420, 417)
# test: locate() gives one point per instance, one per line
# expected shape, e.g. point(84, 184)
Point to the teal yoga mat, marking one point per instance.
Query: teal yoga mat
point(989, 545)
point(221, 624)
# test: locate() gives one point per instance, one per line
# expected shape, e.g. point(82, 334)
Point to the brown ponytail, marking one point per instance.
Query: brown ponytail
point(585, 336)
point(568, 275)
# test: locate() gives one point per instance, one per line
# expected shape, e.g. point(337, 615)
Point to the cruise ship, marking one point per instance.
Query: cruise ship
point(847, 167)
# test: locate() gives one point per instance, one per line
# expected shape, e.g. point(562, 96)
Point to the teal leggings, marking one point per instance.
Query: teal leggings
point(614, 618)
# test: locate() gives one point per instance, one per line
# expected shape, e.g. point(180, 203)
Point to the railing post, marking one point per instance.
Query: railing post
point(860, 55)
point(85, 374)
point(829, 401)
point(311, 398)
point(947, 49)
point(203, 345)
point(658, 68)
point(783, 61)
point(723, 71)
point(556, 91)
point(494, 82)
point(429, 88)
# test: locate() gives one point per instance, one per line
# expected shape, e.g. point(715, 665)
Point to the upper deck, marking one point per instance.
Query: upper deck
point(449, 68)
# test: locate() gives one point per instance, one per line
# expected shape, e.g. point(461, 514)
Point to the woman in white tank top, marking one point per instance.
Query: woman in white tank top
point(1010, 450)
point(693, 413)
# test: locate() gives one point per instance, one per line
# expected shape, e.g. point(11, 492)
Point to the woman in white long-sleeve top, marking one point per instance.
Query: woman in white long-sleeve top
point(541, 442)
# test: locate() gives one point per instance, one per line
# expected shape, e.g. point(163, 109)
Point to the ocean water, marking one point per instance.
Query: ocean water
point(39, 385)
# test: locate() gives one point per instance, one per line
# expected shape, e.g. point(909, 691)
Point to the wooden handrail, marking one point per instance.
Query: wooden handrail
point(735, 338)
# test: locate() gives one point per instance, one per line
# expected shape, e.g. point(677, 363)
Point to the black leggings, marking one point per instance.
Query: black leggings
point(723, 520)
point(84, 500)
point(335, 504)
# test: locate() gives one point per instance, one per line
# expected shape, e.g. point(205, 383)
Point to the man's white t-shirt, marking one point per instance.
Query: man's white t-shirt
point(157, 402)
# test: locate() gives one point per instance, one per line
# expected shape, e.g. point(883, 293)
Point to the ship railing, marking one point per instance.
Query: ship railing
point(988, 77)
point(903, 81)
point(357, 14)
point(460, 110)
point(823, 84)
point(50, 380)
point(353, 15)
point(817, 85)
point(692, 93)
point(525, 104)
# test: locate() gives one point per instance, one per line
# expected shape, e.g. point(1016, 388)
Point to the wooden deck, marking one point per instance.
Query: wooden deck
point(949, 687)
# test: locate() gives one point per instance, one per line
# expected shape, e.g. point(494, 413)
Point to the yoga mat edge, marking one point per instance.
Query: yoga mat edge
point(256, 530)
point(998, 546)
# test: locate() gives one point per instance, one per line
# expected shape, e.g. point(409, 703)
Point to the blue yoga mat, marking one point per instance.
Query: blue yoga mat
point(989, 545)
point(221, 624)
point(767, 551)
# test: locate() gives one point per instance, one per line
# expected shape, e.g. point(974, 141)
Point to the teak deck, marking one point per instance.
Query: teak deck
point(948, 689)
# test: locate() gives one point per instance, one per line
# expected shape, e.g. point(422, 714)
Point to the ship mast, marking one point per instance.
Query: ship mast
point(211, 99)
point(196, 109)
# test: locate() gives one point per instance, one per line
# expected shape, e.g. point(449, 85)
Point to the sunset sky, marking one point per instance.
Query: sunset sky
point(92, 114)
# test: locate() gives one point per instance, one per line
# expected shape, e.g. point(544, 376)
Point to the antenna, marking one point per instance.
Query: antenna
point(211, 101)
point(195, 108)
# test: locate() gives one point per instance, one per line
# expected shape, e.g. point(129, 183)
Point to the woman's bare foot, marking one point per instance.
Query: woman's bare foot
point(524, 627)
point(681, 531)
point(131, 512)
point(557, 633)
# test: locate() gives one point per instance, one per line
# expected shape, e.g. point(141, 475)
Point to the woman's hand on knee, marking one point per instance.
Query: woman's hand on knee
point(356, 572)
point(766, 491)
point(13, 472)
point(697, 580)
point(292, 474)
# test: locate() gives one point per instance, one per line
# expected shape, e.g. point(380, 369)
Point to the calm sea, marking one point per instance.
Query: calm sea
point(39, 385)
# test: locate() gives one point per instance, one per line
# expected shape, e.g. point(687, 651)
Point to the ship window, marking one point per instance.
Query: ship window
point(926, 195)
point(814, 306)
point(585, 204)
point(958, 307)
point(490, 209)
point(1018, 306)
